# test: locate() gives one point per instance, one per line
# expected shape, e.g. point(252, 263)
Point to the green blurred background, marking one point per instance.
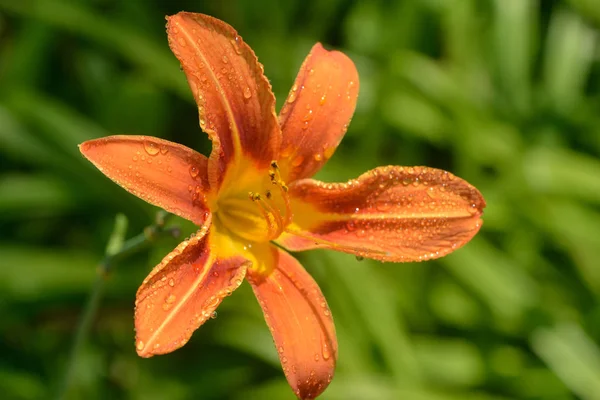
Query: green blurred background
point(504, 93)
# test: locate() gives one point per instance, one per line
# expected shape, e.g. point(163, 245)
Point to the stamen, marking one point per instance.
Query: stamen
point(255, 197)
point(268, 211)
point(275, 176)
point(276, 222)
point(348, 249)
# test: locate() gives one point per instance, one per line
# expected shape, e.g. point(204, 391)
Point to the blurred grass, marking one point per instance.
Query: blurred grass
point(504, 93)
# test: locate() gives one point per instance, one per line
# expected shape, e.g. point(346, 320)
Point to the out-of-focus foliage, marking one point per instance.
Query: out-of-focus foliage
point(504, 93)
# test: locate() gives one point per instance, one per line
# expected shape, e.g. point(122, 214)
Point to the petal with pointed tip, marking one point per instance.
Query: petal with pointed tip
point(388, 214)
point(235, 101)
point(183, 291)
point(300, 322)
point(317, 112)
point(163, 173)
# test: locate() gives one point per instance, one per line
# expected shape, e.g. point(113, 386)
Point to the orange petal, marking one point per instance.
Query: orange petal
point(317, 112)
point(300, 322)
point(182, 292)
point(389, 214)
point(163, 173)
point(235, 101)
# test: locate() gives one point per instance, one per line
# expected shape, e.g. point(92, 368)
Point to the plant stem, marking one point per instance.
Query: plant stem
point(116, 250)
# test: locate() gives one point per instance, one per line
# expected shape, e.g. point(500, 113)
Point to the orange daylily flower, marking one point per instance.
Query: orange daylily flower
point(255, 188)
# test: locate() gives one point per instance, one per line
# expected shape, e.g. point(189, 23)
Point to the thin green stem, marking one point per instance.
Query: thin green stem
point(116, 250)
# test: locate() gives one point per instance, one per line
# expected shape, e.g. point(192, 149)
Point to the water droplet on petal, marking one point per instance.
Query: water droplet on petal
point(213, 315)
point(171, 282)
point(318, 157)
point(325, 351)
point(236, 44)
point(140, 345)
point(225, 59)
point(194, 171)
point(293, 94)
point(181, 41)
point(350, 226)
point(247, 93)
point(285, 153)
point(297, 161)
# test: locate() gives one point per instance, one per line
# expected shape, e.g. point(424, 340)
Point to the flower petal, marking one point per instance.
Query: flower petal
point(183, 291)
point(235, 101)
point(389, 214)
point(300, 322)
point(163, 173)
point(317, 112)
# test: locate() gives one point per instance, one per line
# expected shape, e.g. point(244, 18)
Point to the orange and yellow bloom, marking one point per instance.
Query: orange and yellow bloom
point(255, 188)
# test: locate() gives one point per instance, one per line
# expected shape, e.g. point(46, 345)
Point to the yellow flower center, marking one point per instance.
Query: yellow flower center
point(258, 216)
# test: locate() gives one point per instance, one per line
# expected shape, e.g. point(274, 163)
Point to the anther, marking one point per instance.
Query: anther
point(268, 194)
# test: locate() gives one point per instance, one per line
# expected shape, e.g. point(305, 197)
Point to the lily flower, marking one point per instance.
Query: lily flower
point(255, 190)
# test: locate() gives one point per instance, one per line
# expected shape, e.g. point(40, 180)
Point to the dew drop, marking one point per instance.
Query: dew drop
point(236, 44)
point(151, 148)
point(350, 226)
point(164, 149)
point(384, 206)
point(325, 352)
point(140, 345)
point(293, 94)
point(297, 161)
point(181, 41)
point(194, 171)
point(171, 282)
point(323, 99)
point(171, 298)
point(247, 93)
point(285, 153)
point(213, 315)
point(225, 59)
point(318, 157)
